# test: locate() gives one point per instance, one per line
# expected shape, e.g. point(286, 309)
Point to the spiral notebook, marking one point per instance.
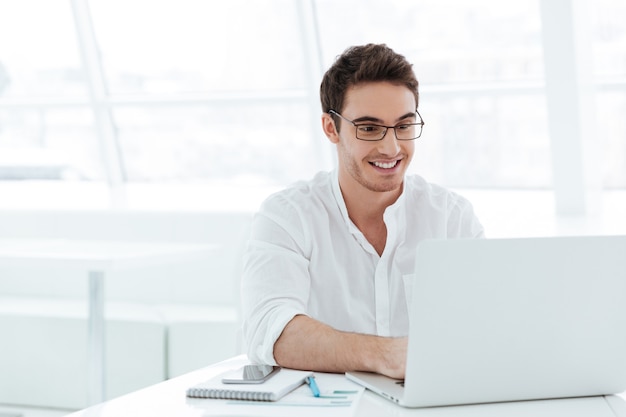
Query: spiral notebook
point(273, 389)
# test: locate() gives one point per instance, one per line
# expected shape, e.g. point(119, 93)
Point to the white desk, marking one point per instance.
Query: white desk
point(168, 399)
point(95, 258)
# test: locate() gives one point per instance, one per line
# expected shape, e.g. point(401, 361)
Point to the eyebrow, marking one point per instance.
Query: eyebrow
point(377, 120)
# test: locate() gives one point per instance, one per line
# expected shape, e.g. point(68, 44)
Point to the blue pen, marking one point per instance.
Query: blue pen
point(313, 385)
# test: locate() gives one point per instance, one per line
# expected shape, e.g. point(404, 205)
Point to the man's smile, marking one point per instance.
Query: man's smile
point(385, 165)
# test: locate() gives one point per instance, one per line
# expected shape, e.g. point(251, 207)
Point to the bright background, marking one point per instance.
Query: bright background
point(204, 105)
point(149, 114)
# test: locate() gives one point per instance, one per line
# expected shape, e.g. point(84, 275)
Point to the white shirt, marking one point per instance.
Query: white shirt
point(305, 256)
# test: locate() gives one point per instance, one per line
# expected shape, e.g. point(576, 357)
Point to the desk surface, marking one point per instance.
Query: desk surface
point(168, 399)
point(95, 255)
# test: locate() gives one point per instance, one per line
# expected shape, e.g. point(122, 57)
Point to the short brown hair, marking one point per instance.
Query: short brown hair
point(361, 64)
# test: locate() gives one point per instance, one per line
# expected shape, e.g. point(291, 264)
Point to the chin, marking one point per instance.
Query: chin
point(383, 186)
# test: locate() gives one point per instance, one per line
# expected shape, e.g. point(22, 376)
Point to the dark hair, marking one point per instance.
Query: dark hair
point(361, 64)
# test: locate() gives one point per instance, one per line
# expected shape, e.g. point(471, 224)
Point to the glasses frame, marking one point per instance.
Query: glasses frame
point(395, 132)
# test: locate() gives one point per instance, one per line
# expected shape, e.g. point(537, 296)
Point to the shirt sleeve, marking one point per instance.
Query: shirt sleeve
point(462, 221)
point(276, 282)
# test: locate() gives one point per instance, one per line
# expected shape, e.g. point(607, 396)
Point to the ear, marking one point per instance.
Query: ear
point(329, 128)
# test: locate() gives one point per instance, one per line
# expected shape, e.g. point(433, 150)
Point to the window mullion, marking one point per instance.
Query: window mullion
point(570, 101)
point(105, 128)
point(311, 49)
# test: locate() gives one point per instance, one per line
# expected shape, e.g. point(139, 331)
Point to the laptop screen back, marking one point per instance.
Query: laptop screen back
point(517, 319)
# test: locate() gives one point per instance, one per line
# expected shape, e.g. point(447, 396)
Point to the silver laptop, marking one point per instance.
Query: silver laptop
point(497, 320)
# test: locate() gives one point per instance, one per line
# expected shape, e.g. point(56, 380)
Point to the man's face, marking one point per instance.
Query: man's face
point(377, 166)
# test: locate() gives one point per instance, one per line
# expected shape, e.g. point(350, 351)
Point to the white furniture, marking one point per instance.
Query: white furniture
point(44, 349)
point(95, 259)
point(162, 321)
point(168, 399)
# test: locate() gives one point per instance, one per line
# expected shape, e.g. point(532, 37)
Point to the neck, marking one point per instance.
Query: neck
point(366, 209)
point(365, 205)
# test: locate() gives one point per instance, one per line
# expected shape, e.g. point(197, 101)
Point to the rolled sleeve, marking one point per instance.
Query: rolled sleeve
point(275, 285)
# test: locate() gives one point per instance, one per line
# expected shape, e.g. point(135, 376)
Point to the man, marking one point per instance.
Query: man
point(330, 262)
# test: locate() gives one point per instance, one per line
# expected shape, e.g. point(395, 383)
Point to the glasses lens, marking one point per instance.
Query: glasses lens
point(408, 131)
point(370, 132)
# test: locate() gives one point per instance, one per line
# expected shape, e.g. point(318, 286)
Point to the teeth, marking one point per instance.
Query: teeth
point(386, 165)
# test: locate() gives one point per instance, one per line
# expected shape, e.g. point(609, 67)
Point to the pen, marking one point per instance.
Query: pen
point(313, 385)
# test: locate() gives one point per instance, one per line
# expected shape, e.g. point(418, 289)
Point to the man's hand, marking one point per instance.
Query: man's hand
point(306, 343)
point(393, 355)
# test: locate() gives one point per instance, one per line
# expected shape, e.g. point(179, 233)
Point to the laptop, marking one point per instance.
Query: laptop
point(496, 320)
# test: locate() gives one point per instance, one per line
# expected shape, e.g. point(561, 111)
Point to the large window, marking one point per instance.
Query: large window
point(46, 126)
point(609, 66)
point(190, 95)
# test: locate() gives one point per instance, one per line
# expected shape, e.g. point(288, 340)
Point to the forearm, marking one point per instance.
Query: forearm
point(308, 344)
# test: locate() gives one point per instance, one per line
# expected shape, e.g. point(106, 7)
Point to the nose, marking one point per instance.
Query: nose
point(389, 145)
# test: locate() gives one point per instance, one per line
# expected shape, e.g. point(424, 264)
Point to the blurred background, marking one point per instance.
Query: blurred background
point(202, 106)
point(198, 104)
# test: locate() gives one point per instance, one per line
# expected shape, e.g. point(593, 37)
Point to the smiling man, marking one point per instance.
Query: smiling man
point(330, 262)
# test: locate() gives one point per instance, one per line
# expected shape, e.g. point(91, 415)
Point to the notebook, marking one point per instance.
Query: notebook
point(273, 389)
point(497, 320)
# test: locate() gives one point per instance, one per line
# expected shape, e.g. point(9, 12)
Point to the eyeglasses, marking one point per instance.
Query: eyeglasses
point(374, 132)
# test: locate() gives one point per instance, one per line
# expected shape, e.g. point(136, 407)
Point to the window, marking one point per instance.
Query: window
point(609, 42)
point(199, 94)
point(46, 127)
